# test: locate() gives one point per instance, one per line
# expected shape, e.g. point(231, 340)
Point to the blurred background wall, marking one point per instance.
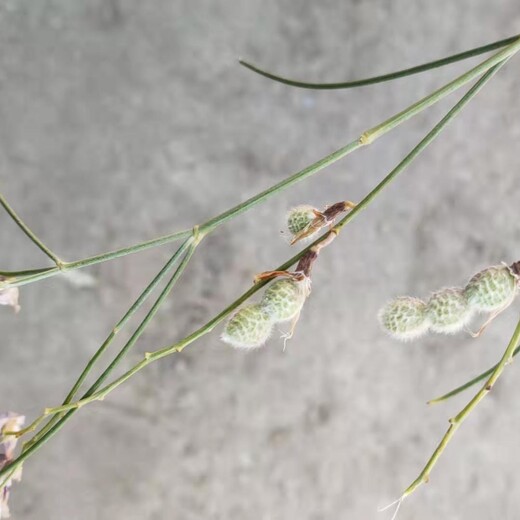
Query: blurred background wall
point(121, 120)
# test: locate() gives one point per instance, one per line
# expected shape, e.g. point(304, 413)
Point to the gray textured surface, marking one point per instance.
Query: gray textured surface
point(124, 120)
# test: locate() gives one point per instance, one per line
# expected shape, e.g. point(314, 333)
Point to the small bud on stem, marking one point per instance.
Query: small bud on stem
point(305, 221)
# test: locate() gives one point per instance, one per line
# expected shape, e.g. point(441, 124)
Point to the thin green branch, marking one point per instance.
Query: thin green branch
point(442, 92)
point(21, 224)
point(46, 433)
point(468, 384)
point(25, 277)
point(132, 310)
point(208, 327)
point(189, 246)
point(366, 138)
point(27, 272)
point(456, 421)
point(110, 338)
point(437, 129)
point(385, 77)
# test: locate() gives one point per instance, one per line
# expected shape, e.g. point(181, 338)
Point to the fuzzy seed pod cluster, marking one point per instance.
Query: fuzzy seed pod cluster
point(449, 310)
point(283, 300)
point(251, 326)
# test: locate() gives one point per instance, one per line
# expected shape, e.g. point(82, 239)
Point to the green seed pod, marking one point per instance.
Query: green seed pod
point(448, 310)
point(404, 318)
point(250, 327)
point(284, 299)
point(299, 218)
point(492, 289)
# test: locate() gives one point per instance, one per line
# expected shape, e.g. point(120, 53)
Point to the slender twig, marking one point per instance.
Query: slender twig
point(208, 327)
point(23, 226)
point(192, 245)
point(456, 421)
point(437, 129)
point(366, 138)
point(27, 272)
point(468, 384)
point(385, 77)
point(17, 278)
point(110, 338)
point(414, 109)
point(42, 436)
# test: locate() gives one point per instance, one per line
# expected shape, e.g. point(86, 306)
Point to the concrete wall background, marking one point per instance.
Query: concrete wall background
point(124, 120)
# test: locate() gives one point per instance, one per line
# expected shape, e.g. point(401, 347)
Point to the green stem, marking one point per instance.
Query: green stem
point(191, 244)
point(366, 138)
point(21, 224)
point(385, 77)
point(437, 129)
point(414, 109)
point(110, 338)
point(208, 327)
point(133, 309)
point(469, 384)
point(456, 421)
point(28, 272)
point(24, 277)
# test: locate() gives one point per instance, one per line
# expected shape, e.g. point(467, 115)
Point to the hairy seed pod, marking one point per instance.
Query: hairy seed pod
point(492, 289)
point(250, 327)
point(448, 310)
point(404, 318)
point(299, 218)
point(284, 299)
